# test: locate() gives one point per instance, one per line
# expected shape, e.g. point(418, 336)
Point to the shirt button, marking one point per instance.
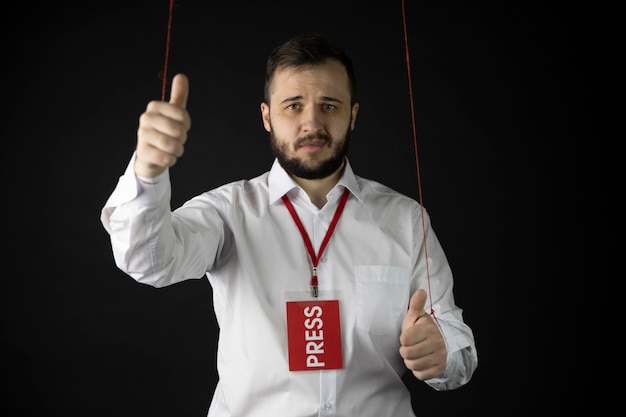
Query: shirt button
point(320, 215)
point(323, 259)
point(327, 406)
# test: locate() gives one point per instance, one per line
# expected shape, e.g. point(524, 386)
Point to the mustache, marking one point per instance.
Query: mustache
point(312, 136)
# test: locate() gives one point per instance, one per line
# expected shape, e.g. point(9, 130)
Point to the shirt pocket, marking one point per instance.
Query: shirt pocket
point(382, 297)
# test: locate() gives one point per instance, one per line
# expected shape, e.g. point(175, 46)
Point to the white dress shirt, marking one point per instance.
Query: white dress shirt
point(243, 238)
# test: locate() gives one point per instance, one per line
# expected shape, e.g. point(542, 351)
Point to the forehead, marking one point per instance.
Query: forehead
point(327, 79)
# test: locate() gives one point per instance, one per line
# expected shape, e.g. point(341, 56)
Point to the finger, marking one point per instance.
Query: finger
point(166, 119)
point(416, 309)
point(180, 90)
point(418, 300)
point(151, 161)
point(164, 142)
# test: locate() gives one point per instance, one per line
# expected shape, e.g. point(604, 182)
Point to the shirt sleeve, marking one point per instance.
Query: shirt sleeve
point(149, 242)
point(133, 189)
point(436, 278)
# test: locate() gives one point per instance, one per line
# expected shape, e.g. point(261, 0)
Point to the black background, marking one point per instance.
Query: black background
point(505, 96)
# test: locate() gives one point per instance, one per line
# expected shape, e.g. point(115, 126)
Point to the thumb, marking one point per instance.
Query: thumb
point(180, 90)
point(416, 309)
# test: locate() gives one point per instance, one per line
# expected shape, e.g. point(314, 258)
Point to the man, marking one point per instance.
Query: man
point(320, 277)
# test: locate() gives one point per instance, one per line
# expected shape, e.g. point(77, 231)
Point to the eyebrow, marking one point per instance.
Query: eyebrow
point(324, 98)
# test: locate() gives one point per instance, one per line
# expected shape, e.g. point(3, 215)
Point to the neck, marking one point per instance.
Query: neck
point(319, 188)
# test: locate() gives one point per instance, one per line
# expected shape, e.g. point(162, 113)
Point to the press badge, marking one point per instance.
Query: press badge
point(314, 335)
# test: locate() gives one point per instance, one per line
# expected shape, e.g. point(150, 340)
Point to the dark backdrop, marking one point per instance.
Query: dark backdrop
point(504, 93)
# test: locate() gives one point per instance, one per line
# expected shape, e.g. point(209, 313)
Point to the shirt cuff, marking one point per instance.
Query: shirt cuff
point(461, 359)
point(147, 192)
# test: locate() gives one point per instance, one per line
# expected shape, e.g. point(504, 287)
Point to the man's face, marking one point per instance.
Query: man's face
point(310, 118)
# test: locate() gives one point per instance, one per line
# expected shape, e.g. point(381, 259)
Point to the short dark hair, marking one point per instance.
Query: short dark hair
point(307, 50)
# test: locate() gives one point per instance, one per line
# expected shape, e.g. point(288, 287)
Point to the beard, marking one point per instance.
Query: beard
point(313, 170)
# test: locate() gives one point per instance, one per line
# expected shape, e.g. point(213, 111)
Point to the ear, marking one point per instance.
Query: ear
point(265, 115)
point(355, 110)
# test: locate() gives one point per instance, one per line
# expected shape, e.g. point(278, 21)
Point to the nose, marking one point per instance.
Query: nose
point(311, 119)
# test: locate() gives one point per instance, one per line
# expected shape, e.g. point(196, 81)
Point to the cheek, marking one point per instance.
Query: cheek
point(283, 128)
point(339, 130)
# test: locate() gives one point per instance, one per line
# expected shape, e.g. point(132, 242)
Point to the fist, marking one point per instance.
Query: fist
point(422, 345)
point(162, 131)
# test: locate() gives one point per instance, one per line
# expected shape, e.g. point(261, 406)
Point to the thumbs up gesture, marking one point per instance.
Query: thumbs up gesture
point(422, 345)
point(162, 131)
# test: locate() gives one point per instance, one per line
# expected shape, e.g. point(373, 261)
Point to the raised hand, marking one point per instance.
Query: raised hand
point(162, 131)
point(422, 345)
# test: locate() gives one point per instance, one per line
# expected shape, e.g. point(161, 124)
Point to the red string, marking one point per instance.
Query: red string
point(417, 164)
point(167, 50)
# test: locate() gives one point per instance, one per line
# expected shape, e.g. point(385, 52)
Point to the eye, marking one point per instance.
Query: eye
point(327, 106)
point(293, 106)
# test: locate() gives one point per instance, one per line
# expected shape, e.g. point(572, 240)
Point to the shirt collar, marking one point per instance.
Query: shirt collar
point(280, 182)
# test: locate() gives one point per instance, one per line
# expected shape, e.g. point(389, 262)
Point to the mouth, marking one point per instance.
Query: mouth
point(315, 142)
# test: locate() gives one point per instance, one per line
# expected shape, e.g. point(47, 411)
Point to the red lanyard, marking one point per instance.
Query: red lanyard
point(307, 242)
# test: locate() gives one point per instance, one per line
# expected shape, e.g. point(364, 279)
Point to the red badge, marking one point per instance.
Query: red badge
point(314, 335)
